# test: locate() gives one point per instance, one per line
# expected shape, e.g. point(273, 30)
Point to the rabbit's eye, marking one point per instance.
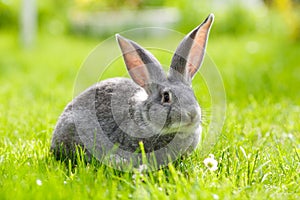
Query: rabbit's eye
point(166, 97)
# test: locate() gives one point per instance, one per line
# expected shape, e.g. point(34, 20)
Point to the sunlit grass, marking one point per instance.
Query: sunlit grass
point(258, 151)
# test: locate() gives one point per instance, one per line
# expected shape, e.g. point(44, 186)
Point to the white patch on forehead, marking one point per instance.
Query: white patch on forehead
point(140, 95)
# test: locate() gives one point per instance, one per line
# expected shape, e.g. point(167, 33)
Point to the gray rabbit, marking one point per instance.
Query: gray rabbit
point(115, 119)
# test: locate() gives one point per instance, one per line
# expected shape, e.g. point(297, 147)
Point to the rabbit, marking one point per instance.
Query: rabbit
point(117, 118)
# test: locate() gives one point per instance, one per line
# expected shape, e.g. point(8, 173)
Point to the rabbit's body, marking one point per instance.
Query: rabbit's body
point(115, 115)
point(100, 118)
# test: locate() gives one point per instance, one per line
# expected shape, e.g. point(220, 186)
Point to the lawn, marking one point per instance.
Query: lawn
point(258, 149)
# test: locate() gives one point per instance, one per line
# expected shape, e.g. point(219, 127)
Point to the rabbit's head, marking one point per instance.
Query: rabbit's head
point(168, 102)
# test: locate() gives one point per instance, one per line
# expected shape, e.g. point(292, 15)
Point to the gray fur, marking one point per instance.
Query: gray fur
point(109, 119)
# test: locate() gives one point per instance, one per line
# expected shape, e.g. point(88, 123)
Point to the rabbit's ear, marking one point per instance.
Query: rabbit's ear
point(142, 66)
point(189, 54)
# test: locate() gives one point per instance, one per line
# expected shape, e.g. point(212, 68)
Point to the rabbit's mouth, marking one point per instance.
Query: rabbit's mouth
point(189, 126)
point(188, 122)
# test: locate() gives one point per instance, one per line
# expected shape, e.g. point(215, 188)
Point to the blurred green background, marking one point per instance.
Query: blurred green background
point(234, 16)
point(254, 44)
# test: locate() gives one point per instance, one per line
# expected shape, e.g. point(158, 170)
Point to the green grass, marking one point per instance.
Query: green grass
point(258, 150)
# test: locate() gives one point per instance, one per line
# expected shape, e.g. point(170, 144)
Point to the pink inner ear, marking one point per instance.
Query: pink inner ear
point(197, 50)
point(136, 68)
point(192, 69)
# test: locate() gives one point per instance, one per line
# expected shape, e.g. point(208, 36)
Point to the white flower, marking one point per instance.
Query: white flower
point(39, 182)
point(142, 168)
point(211, 163)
